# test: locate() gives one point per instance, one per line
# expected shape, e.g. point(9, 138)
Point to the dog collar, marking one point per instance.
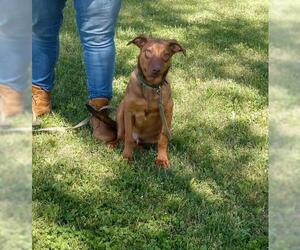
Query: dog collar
point(142, 81)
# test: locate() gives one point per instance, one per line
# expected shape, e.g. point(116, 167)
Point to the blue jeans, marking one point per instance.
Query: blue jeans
point(96, 20)
point(15, 43)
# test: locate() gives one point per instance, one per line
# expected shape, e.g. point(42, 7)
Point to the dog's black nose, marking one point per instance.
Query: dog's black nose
point(155, 70)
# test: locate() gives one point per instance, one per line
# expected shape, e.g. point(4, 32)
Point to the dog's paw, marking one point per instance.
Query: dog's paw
point(112, 144)
point(128, 157)
point(162, 162)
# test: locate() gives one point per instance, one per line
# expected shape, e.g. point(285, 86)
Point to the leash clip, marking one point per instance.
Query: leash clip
point(160, 97)
point(158, 90)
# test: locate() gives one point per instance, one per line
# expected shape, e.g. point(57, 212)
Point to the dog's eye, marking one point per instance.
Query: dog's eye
point(148, 53)
point(167, 56)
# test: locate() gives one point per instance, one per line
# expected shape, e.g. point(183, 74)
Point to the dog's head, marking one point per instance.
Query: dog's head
point(155, 56)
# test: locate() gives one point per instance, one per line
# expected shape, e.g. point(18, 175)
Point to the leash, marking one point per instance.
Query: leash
point(163, 115)
point(102, 115)
point(5, 125)
point(6, 129)
point(157, 88)
point(63, 129)
point(83, 123)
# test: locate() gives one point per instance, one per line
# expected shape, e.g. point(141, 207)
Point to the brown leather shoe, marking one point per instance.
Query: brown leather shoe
point(10, 101)
point(41, 101)
point(101, 130)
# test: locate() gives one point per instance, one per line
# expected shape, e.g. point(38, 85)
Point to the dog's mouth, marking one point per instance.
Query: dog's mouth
point(155, 75)
point(154, 79)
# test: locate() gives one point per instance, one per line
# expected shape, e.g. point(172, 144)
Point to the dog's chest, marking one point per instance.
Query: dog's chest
point(147, 121)
point(147, 128)
point(148, 116)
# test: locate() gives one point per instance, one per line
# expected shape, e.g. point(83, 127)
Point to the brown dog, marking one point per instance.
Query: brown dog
point(145, 113)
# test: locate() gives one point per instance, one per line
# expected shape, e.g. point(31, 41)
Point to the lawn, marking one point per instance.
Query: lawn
point(214, 196)
point(284, 152)
point(15, 183)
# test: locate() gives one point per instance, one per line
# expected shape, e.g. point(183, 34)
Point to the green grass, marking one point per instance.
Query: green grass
point(284, 126)
point(15, 186)
point(214, 196)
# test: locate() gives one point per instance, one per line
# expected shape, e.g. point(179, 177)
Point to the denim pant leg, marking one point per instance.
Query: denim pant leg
point(47, 16)
point(15, 43)
point(96, 21)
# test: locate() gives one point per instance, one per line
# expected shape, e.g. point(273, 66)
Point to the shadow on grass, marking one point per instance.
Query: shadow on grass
point(140, 206)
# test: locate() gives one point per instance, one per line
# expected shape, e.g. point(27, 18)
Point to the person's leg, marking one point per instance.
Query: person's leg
point(15, 47)
point(15, 54)
point(47, 16)
point(96, 21)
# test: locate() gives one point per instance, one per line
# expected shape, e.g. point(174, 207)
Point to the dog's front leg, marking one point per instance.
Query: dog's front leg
point(162, 155)
point(129, 142)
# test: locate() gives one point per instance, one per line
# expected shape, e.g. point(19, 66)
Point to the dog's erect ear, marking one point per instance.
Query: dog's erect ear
point(176, 47)
point(139, 41)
